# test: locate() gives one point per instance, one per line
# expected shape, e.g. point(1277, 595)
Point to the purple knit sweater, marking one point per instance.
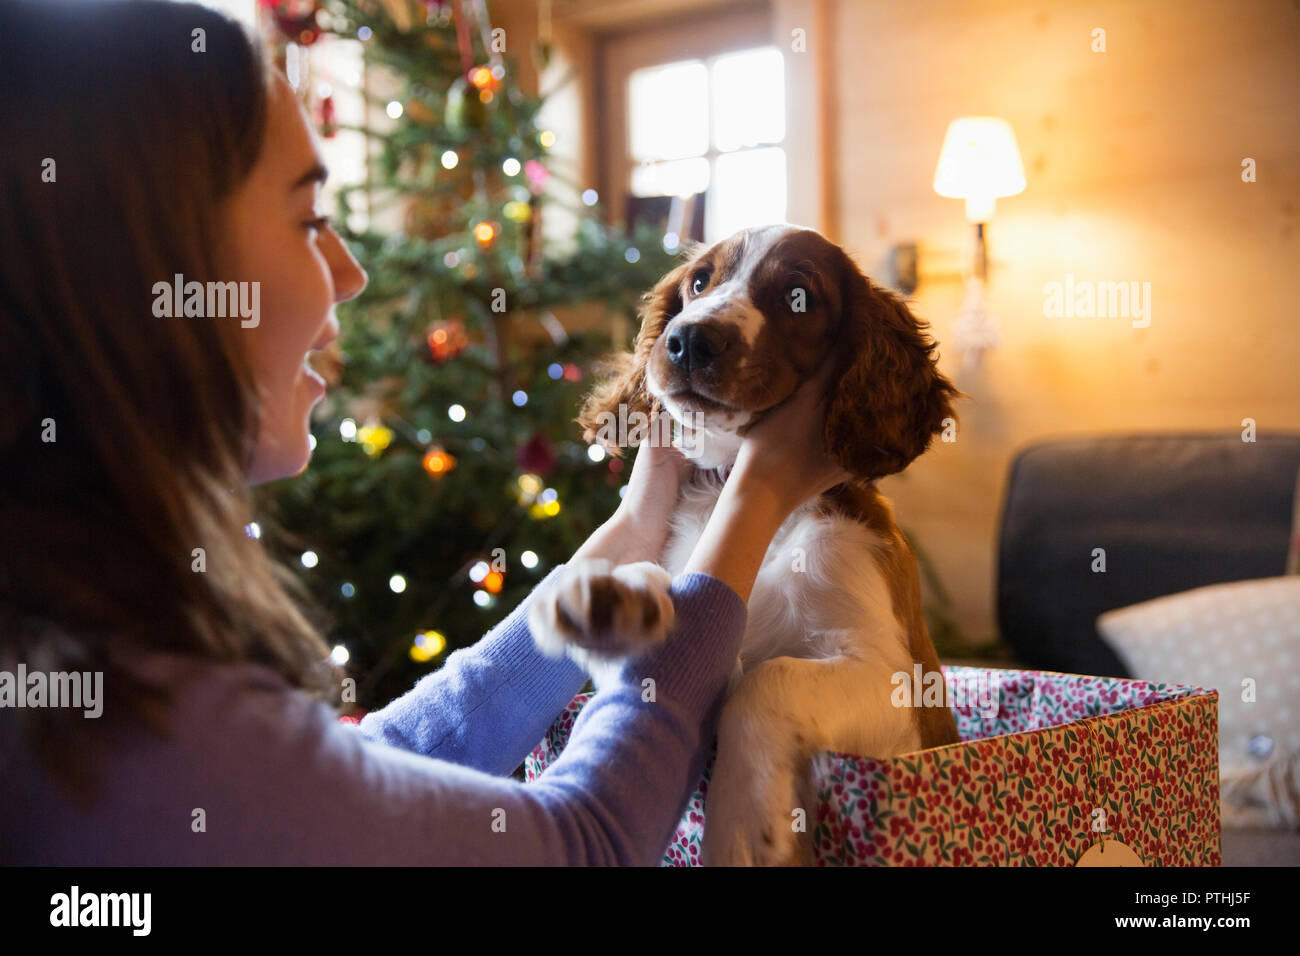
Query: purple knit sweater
point(280, 780)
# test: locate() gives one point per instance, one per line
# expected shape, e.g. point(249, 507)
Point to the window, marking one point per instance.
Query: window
point(714, 124)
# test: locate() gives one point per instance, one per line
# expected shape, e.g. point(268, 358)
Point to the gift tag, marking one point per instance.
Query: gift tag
point(1112, 853)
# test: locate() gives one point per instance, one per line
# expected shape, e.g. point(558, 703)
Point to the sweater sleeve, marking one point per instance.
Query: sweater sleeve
point(257, 773)
point(488, 705)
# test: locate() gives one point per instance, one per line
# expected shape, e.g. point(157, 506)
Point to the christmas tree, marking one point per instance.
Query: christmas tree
point(448, 475)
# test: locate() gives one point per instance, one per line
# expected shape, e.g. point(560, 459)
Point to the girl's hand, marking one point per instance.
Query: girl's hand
point(783, 458)
point(651, 495)
point(638, 529)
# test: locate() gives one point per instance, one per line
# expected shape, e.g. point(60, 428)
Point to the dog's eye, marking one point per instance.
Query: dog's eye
point(700, 281)
point(799, 298)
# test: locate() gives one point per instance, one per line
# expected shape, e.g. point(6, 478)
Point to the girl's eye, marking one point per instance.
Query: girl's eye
point(319, 223)
point(699, 282)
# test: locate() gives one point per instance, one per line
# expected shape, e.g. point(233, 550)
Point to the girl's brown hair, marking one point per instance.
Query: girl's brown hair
point(125, 439)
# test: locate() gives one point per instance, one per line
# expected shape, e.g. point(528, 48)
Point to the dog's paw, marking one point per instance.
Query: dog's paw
point(750, 820)
point(605, 613)
point(758, 810)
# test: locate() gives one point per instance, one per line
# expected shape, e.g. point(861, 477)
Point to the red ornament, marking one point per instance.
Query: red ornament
point(296, 19)
point(484, 79)
point(447, 340)
point(538, 456)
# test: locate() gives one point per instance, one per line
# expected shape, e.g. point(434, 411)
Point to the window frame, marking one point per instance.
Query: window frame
point(705, 37)
point(712, 153)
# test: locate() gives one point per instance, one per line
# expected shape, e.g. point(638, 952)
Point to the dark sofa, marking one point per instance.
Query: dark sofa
point(1170, 512)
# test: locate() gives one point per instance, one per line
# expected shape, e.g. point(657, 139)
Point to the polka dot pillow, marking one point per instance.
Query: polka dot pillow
point(1243, 640)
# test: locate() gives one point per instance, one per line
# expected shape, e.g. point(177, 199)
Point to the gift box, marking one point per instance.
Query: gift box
point(1050, 767)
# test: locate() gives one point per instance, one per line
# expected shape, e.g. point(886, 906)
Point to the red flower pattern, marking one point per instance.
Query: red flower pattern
point(962, 805)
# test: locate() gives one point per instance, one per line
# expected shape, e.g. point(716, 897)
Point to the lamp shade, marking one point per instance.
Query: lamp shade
point(979, 161)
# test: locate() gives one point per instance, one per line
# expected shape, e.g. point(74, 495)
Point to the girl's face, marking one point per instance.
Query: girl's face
point(279, 239)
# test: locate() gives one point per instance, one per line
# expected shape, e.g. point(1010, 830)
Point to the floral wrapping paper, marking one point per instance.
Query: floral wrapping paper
point(1040, 754)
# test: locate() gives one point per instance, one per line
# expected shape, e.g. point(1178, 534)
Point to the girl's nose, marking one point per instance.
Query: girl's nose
point(349, 277)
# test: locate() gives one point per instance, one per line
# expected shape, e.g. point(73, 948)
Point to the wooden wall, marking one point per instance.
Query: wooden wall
point(1134, 166)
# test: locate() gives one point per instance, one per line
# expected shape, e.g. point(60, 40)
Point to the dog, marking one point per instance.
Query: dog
point(835, 613)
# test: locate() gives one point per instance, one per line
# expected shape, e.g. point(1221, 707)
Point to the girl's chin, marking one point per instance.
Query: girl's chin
point(292, 455)
point(279, 462)
point(274, 460)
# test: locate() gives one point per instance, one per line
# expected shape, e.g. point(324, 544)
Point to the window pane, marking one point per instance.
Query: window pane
point(682, 177)
point(748, 190)
point(668, 111)
point(748, 98)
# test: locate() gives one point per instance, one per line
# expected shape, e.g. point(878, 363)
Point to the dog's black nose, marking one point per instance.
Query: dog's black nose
point(694, 346)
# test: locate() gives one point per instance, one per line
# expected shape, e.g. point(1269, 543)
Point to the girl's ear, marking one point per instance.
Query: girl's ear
point(891, 398)
point(624, 386)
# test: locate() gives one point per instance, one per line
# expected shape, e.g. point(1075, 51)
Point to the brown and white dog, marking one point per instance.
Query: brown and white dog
point(835, 612)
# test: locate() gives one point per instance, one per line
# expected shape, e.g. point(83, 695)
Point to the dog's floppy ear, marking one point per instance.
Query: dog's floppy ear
point(624, 384)
point(890, 398)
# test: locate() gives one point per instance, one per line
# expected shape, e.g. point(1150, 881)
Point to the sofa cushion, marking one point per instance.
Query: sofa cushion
point(1166, 513)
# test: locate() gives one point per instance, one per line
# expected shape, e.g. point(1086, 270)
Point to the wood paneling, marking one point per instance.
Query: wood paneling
point(1133, 159)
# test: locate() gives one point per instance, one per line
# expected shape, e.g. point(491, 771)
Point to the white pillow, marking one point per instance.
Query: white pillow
point(1217, 637)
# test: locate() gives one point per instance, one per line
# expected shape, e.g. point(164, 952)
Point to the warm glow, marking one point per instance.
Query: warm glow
point(427, 646)
point(979, 162)
point(374, 439)
point(492, 581)
point(541, 511)
point(438, 462)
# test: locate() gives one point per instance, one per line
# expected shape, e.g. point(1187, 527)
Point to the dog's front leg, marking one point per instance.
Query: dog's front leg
point(760, 806)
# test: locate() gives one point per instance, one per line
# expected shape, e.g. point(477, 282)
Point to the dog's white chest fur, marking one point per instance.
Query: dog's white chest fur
point(819, 592)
